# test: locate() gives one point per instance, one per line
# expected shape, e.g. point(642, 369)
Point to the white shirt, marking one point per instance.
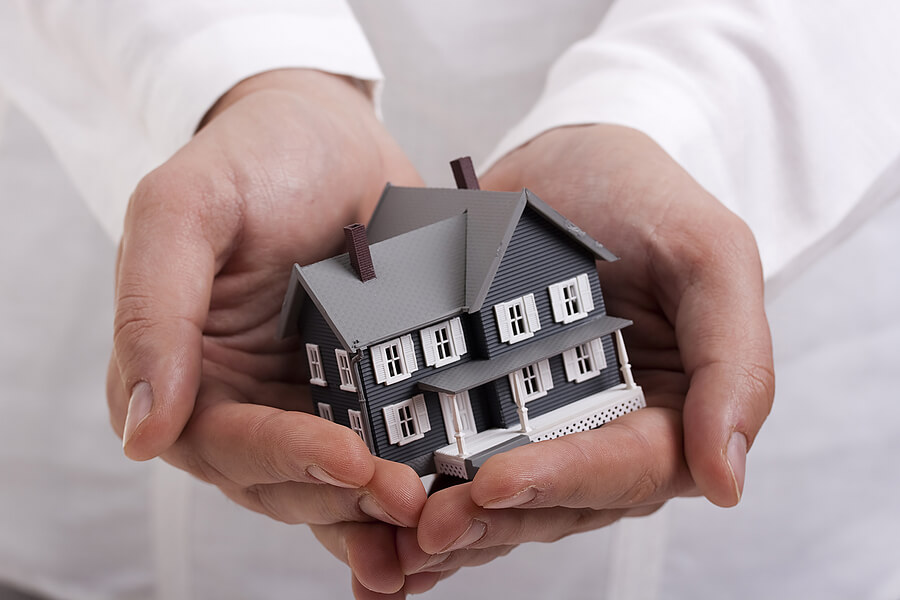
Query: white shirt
point(785, 111)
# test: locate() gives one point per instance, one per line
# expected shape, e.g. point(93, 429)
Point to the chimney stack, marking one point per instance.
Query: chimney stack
point(464, 173)
point(358, 248)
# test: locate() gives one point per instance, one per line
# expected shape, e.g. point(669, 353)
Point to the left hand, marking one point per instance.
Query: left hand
point(691, 280)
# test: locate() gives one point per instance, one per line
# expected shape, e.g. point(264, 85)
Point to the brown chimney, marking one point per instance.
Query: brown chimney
point(464, 173)
point(358, 247)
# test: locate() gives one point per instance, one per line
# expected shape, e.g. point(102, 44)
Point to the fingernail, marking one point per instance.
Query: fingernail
point(369, 505)
point(517, 499)
point(475, 532)
point(737, 460)
point(138, 408)
point(320, 474)
point(433, 561)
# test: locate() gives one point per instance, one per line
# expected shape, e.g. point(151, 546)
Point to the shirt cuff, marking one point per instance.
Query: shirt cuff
point(183, 84)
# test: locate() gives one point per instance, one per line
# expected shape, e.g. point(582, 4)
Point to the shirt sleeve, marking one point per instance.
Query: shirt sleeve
point(117, 87)
point(786, 111)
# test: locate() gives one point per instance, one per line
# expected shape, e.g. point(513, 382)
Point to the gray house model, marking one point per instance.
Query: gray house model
point(463, 323)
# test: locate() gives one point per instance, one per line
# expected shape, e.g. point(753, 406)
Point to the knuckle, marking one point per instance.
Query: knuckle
point(267, 501)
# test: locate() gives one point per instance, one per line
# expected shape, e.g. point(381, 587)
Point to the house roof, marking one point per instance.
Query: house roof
point(479, 372)
point(435, 252)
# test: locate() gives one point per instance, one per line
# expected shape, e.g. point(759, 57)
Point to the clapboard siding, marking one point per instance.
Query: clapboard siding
point(563, 392)
point(537, 257)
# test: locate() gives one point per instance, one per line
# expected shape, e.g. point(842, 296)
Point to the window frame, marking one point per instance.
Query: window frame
point(316, 367)
point(357, 425)
point(325, 411)
point(540, 373)
point(418, 412)
point(594, 352)
point(455, 340)
point(527, 313)
point(345, 371)
point(583, 299)
point(405, 359)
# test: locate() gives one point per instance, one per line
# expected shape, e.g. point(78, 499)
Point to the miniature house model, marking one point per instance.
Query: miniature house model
point(463, 323)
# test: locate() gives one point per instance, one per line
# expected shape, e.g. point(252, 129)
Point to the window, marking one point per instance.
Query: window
point(585, 361)
point(343, 363)
point(407, 421)
point(395, 360)
point(443, 343)
point(325, 411)
point(464, 406)
point(356, 424)
point(571, 299)
point(517, 319)
point(532, 381)
point(316, 374)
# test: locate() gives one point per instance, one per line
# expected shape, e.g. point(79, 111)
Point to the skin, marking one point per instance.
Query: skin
point(282, 163)
point(690, 279)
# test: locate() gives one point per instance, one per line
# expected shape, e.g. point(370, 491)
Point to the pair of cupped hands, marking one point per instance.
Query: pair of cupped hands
point(280, 165)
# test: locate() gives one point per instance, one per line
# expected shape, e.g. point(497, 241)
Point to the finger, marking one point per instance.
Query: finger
point(636, 459)
point(163, 287)
point(369, 550)
point(727, 352)
point(394, 495)
point(230, 442)
point(414, 561)
point(451, 524)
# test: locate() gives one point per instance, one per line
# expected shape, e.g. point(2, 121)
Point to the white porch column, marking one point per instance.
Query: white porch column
point(520, 408)
point(458, 427)
point(625, 366)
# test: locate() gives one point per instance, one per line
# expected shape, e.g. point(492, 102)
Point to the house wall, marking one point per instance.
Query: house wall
point(563, 392)
point(537, 257)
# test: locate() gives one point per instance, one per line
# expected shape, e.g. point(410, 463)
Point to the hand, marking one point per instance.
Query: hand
point(691, 281)
point(285, 160)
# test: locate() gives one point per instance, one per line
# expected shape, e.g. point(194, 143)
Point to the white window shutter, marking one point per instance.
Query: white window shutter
point(427, 336)
point(531, 313)
point(570, 360)
point(584, 292)
point(546, 376)
point(421, 413)
point(459, 339)
point(556, 301)
point(502, 321)
point(378, 363)
point(597, 354)
point(409, 353)
point(392, 423)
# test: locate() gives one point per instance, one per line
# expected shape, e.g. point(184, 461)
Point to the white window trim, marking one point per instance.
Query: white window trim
point(531, 318)
point(455, 336)
point(419, 413)
point(407, 354)
point(464, 404)
point(544, 378)
point(356, 424)
point(315, 366)
point(594, 350)
point(583, 295)
point(345, 372)
point(325, 411)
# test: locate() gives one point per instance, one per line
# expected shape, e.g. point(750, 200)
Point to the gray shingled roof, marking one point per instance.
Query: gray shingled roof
point(479, 372)
point(435, 253)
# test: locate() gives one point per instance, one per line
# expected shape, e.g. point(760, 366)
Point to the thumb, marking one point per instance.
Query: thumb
point(163, 285)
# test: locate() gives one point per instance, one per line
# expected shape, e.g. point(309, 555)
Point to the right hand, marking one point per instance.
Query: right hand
point(286, 159)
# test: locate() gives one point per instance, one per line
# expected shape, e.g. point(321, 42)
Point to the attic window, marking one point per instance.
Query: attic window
point(407, 421)
point(316, 373)
point(585, 361)
point(532, 381)
point(443, 343)
point(395, 360)
point(571, 299)
point(343, 362)
point(517, 319)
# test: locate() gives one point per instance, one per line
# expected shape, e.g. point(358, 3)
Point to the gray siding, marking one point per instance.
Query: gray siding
point(537, 257)
point(564, 391)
